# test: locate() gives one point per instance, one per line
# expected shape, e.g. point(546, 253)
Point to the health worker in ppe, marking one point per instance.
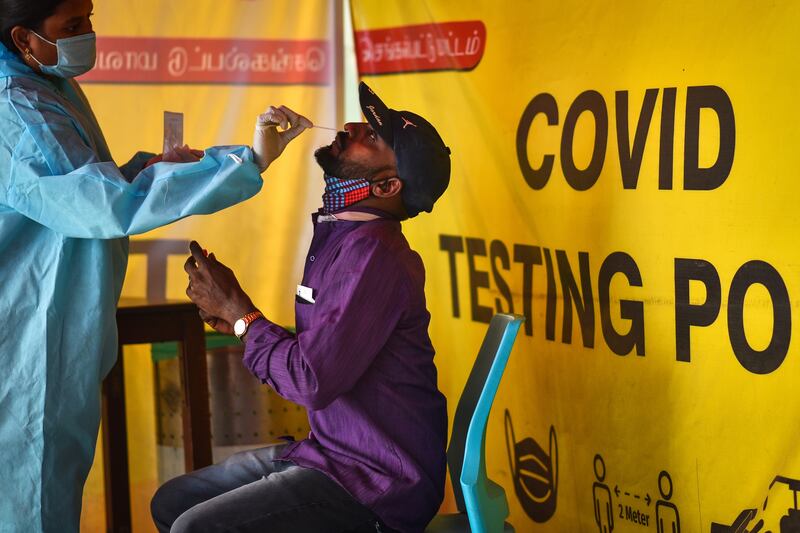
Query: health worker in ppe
point(66, 210)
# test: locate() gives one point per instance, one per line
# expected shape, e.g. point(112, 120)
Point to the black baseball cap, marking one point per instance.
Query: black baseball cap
point(423, 160)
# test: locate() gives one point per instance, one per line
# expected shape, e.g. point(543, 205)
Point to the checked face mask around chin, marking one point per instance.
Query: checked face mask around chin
point(340, 193)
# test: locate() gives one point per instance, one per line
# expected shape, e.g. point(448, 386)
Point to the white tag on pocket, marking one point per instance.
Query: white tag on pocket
point(306, 293)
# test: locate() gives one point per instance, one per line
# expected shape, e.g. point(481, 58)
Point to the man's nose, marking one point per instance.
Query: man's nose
point(353, 129)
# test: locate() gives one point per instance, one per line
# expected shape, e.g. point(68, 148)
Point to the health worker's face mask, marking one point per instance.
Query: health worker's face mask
point(340, 193)
point(76, 55)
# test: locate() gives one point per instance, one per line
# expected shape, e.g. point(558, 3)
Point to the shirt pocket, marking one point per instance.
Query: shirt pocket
point(305, 295)
point(302, 301)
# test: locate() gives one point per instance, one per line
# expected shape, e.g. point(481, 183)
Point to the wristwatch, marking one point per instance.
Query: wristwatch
point(241, 325)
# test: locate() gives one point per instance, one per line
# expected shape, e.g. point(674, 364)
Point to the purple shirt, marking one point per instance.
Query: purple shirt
point(361, 363)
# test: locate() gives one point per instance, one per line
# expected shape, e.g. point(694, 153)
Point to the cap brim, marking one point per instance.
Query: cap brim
point(376, 113)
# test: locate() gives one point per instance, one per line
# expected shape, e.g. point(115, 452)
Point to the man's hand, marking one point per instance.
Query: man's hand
point(214, 289)
point(218, 324)
point(268, 142)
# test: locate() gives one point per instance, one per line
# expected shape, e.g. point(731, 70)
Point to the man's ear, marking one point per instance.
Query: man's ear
point(387, 189)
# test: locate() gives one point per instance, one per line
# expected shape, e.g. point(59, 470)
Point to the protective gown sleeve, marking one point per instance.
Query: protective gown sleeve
point(57, 180)
point(130, 169)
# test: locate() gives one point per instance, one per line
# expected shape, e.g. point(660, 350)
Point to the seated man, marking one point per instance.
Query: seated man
point(361, 361)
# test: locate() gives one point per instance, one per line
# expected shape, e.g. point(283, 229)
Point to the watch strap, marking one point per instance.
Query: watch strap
point(248, 319)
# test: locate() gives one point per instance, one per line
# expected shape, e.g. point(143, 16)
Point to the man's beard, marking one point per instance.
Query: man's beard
point(346, 170)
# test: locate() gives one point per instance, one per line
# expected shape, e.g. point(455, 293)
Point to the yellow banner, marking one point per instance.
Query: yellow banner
point(623, 175)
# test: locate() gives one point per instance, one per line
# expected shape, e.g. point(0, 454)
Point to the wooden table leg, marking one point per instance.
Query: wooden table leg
point(115, 451)
point(194, 385)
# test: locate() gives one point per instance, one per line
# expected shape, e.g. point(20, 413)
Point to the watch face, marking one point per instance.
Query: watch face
point(239, 327)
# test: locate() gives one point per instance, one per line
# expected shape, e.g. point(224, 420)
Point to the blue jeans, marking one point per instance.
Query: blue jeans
point(252, 491)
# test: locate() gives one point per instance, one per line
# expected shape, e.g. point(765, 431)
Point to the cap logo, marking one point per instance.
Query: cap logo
point(407, 122)
point(375, 114)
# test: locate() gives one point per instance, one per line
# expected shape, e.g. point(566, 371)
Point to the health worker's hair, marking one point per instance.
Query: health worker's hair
point(26, 13)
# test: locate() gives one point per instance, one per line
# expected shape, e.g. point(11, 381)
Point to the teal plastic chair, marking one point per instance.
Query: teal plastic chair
point(481, 503)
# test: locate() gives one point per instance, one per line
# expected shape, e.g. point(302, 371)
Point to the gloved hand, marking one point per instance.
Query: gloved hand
point(268, 142)
point(179, 154)
point(183, 154)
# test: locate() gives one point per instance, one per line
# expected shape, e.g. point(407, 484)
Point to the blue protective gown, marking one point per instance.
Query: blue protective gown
point(65, 211)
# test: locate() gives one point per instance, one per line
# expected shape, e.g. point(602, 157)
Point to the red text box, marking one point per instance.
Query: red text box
point(229, 61)
point(422, 47)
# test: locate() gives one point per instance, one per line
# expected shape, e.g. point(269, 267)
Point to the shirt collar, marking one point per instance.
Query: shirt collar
point(319, 216)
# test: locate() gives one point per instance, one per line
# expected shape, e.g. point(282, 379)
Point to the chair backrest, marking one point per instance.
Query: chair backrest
point(475, 494)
